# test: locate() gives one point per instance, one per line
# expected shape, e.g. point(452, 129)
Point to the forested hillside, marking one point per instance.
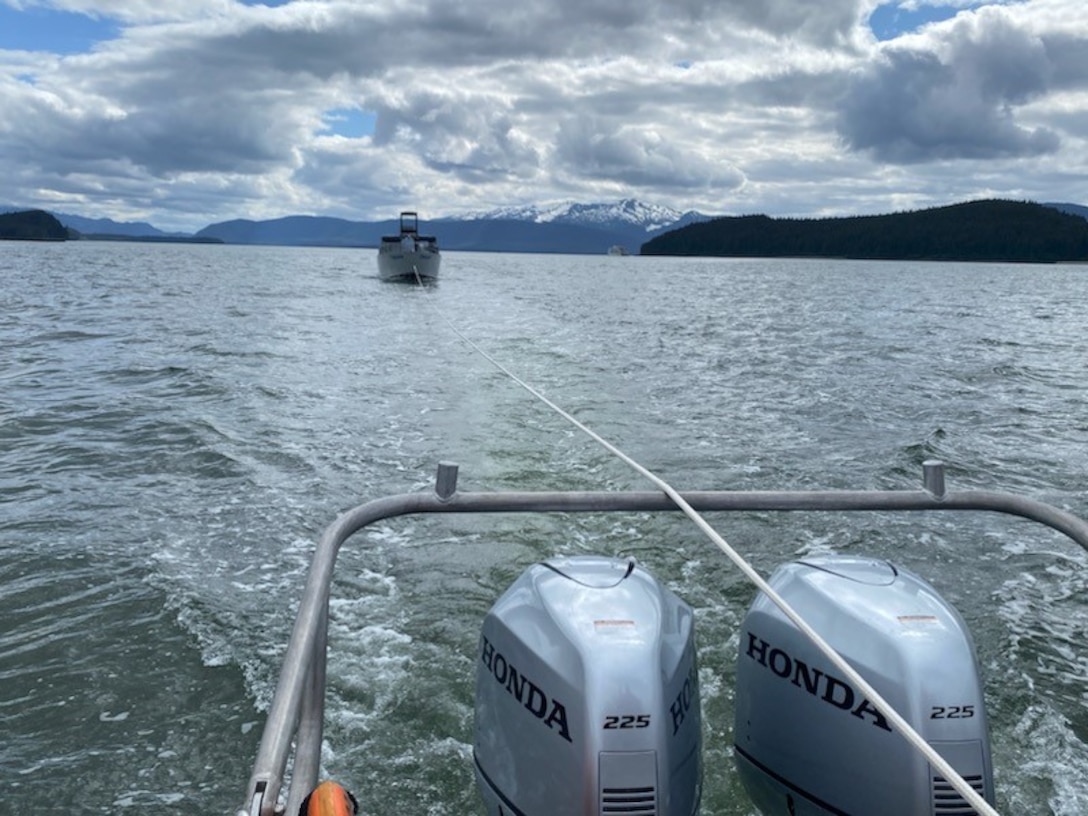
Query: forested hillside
point(976, 231)
point(32, 225)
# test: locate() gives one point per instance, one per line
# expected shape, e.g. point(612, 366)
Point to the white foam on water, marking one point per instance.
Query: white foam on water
point(143, 799)
point(224, 463)
point(1041, 704)
point(1049, 761)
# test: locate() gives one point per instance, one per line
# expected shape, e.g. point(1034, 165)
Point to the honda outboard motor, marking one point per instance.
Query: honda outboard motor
point(808, 742)
point(587, 698)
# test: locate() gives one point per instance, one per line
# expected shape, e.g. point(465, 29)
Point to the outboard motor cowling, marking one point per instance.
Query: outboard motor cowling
point(808, 742)
point(587, 697)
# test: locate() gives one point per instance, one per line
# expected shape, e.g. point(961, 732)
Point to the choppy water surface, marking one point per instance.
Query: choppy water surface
point(179, 423)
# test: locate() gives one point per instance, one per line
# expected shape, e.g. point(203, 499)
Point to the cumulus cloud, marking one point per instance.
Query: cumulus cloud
point(956, 96)
point(130, 11)
point(633, 155)
point(834, 22)
point(715, 104)
point(473, 135)
point(915, 109)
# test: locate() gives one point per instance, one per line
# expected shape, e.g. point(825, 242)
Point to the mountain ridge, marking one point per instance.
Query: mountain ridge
point(567, 227)
point(558, 227)
point(1070, 209)
point(564, 227)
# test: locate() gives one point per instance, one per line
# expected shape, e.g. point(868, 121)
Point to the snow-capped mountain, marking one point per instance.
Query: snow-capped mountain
point(567, 227)
point(619, 215)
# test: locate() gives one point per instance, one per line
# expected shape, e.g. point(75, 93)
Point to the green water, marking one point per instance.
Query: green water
point(179, 423)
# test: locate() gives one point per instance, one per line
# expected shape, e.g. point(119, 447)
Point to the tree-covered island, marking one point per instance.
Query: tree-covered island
point(993, 230)
point(31, 225)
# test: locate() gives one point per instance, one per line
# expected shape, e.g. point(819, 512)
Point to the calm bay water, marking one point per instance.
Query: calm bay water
point(178, 424)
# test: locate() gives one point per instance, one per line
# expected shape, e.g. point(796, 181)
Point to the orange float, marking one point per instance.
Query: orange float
point(329, 799)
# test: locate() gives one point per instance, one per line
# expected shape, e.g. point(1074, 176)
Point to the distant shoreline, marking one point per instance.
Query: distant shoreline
point(979, 231)
point(151, 239)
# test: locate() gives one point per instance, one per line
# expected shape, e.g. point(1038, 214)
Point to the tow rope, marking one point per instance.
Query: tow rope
point(950, 774)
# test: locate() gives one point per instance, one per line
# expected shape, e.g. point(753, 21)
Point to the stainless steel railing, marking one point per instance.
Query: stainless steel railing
point(297, 710)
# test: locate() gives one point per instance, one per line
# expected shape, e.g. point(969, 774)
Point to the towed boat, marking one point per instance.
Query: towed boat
point(409, 256)
point(858, 687)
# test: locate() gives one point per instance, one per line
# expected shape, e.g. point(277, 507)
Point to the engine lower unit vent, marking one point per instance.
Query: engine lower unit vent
point(629, 783)
point(947, 801)
point(630, 801)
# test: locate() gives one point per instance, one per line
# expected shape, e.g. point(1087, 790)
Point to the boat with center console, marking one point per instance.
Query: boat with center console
point(409, 256)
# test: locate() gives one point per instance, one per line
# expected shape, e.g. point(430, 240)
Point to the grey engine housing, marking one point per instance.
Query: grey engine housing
point(587, 697)
point(807, 742)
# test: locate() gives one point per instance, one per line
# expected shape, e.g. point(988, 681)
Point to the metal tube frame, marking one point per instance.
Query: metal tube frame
point(297, 709)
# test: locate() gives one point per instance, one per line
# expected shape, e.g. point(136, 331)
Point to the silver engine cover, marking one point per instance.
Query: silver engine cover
point(807, 742)
point(587, 698)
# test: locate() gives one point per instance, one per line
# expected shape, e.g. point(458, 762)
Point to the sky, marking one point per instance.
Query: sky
point(185, 113)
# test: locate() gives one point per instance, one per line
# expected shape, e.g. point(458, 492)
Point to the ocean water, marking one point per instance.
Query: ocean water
point(178, 424)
